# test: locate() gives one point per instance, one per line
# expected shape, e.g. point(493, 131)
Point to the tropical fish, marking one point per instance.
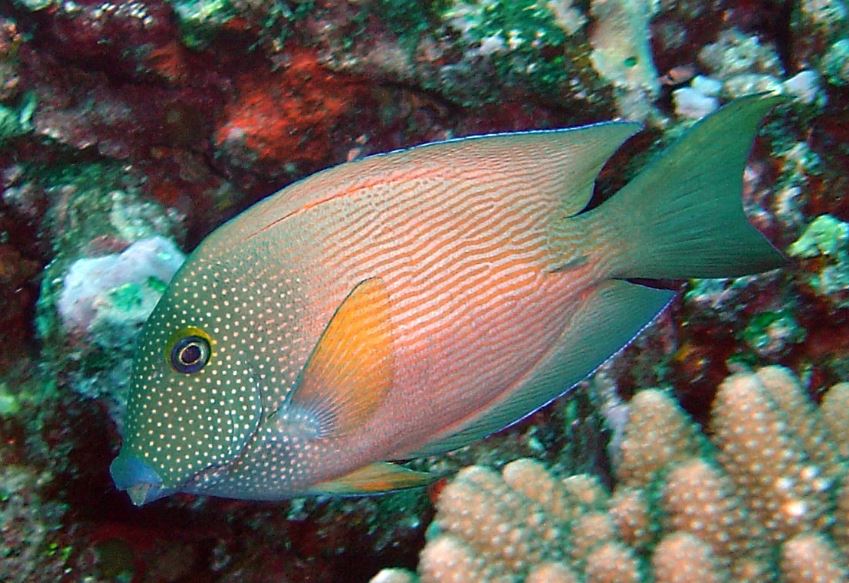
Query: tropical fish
point(410, 303)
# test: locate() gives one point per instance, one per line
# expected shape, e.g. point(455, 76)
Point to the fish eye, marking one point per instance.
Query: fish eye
point(190, 354)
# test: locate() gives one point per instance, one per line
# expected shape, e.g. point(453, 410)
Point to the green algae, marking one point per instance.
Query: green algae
point(157, 284)
point(525, 43)
point(825, 236)
point(826, 242)
point(835, 63)
point(54, 549)
point(127, 297)
point(35, 5)
point(409, 21)
point(770, 334)
point(17, 121)
point(200, 20)
point(9, 403)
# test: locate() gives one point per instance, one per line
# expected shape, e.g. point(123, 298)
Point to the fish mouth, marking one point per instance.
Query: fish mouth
point(138, 479)
point(141, 493)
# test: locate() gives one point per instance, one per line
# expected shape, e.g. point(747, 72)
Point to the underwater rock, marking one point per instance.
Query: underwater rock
point(394, 576)
point(804, 85)
point(136, 40)
point(17, 298)
point(112, 261)
point(693, 104)
point(21, 261)
point(288, 123)
point(10, 42)
point(622, 55)
point(698, 99)
point(27, 525)
point(743, 63)
point(819, 28)
point(825, 248)
point(82, 109)
point(470, 52)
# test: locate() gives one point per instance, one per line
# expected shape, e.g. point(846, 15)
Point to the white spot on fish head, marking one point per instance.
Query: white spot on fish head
point(209, 427)
point(195, 398)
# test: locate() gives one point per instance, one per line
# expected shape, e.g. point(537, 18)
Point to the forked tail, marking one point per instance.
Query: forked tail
point(682, 216)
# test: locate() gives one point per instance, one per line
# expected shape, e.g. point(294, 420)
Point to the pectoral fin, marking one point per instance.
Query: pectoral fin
point(350, 370)
point(374, 478)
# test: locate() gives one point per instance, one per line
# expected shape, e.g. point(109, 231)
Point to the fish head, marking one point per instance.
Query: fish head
point(195, 401)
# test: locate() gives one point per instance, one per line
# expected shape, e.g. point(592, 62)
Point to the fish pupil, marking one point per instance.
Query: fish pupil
point(190, 354)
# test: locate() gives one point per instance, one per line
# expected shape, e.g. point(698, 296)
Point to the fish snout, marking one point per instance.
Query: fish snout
point(136, 477)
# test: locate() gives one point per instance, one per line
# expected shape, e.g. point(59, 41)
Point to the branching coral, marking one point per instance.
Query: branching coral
point(765, 497)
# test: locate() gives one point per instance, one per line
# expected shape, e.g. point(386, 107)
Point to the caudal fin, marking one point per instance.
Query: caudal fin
point(682, 216)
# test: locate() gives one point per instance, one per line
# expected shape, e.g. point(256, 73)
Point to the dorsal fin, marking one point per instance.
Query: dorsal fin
point(350, 371)
point(560, 164)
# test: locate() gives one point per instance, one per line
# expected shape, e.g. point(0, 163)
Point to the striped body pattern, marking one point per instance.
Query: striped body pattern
point(401, 305)
point(466, 265)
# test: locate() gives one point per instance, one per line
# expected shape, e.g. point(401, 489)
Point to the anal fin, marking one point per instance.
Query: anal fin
point(375, 478)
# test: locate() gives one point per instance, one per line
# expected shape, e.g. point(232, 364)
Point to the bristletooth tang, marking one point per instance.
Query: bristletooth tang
point(409, 303)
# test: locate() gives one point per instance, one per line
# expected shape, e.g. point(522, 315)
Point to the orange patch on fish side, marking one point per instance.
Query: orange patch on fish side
point(350, 371)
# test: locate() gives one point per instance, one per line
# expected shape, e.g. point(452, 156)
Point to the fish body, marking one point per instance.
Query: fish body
point(410, 303)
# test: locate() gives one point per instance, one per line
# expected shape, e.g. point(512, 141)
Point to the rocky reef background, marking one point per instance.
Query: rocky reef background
point(130, 129)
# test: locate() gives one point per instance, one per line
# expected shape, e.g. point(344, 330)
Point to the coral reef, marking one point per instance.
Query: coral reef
point(26, 524)
point(825, 247)
point(113, 256)
point(761, 499)
point(471, 52)
point(622, 55)
point(124, 125)
point(102, 288)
